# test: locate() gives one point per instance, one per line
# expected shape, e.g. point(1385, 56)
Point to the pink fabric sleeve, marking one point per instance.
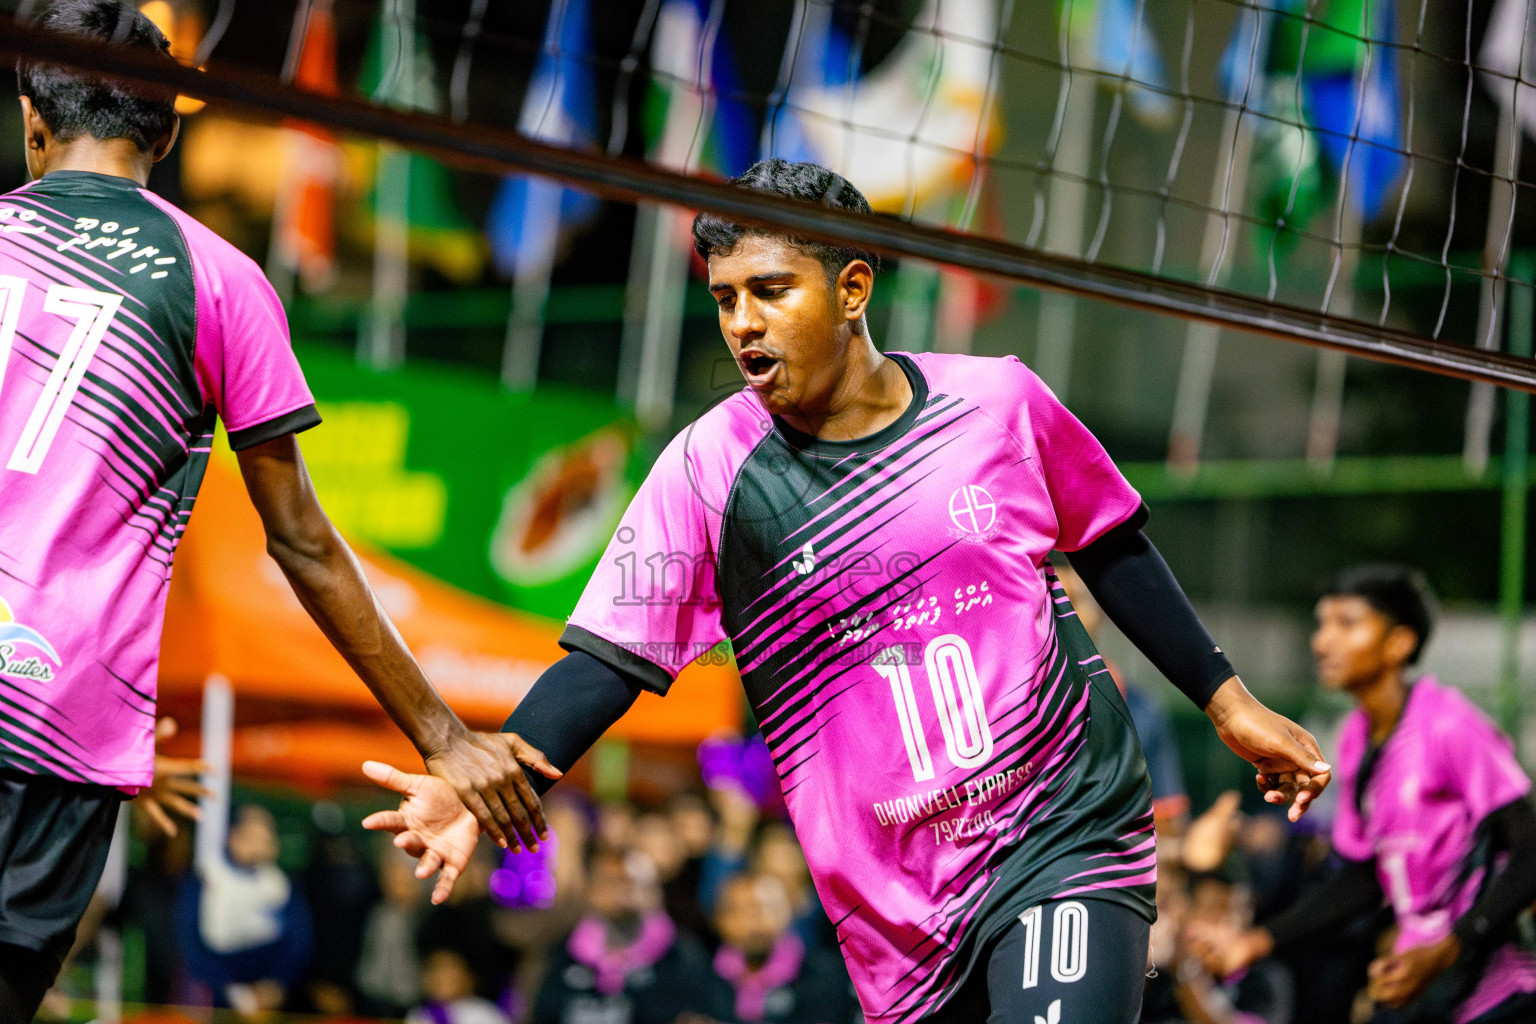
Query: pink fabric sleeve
point(245, 363)
point(1473, 758)
point(1087, 492)
point(651, 605)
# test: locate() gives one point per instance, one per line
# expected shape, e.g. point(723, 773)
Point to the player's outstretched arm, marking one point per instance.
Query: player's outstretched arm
point(1128, 577)
point(486, 770)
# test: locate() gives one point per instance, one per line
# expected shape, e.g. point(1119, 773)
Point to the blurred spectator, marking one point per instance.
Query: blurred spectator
point(465, 925)
point(746, 841)
point(245, 932)
point(388, 967)
point(778, 853)
point(342, 889)
point(151, 889)
point(623, 963)
point(532, 932)
point(763, 972)
point(449, 985)
point(657, 838)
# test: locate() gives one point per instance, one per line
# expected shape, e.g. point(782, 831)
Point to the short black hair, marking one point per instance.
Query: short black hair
point(73, 104)
point(713, 235)
point(1399, 592)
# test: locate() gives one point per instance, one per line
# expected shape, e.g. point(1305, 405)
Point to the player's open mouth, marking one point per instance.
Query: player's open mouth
point(759, 367)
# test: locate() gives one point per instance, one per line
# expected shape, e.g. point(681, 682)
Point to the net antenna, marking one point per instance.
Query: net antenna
point(1282, 162)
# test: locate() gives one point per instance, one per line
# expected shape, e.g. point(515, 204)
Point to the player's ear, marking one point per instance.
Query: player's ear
point(855, 286)
point(1401, 640)
point(163, 145)
point(32, 124)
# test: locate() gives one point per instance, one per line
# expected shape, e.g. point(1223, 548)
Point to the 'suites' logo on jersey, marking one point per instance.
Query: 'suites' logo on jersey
point(19, 649)
point(973, 512)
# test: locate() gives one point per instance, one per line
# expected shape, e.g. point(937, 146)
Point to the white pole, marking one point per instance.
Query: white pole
point(218, 728)
point(109, 942)
point(1506, 158)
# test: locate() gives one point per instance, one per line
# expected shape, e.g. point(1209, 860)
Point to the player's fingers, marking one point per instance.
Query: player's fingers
point(521, 823)
point(411, 842)
point(389, 777)
point(186, 786)
point(385, 821)
point(445, 881)
point(1299, 748)
point(182, 806)
point(532, 756)
point(427, 866)
point(483, 815)
point(510, 818)
point(525, 806)
point(159, 817)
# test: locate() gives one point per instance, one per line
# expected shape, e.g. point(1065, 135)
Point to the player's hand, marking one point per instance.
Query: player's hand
point(1225, 949)
point(1209, 837)
point(431, 825)
point(176, 787)
point(1400, 978)
point(1291, 767)
point(486, 770)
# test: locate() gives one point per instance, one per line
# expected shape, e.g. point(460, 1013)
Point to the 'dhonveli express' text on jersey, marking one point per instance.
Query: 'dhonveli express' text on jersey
point(951, 748)
point(125, 327)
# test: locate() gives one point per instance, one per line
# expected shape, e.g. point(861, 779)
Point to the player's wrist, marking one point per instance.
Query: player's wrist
point(1230, 698)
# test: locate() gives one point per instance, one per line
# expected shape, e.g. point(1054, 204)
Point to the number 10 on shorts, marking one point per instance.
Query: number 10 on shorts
point(1069, 942)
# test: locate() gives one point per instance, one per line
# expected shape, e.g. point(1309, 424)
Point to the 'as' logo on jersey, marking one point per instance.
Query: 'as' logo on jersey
point(973, 512)
point(23, 648)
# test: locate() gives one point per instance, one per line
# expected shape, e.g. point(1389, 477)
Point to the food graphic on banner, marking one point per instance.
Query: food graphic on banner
point(560, 515)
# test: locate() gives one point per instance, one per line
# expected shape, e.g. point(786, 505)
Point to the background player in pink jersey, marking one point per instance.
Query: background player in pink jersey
point(871, 532)
point(125, 328)
point(1434, 818)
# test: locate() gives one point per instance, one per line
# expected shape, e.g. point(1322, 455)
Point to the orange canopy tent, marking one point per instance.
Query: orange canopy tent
point(301, 713)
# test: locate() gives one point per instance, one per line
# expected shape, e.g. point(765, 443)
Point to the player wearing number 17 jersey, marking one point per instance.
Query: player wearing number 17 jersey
point(126, 329)
point(871, 533)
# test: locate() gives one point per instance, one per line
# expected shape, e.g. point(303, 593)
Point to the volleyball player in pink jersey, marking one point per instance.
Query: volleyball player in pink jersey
point(871, 534)
point(126, 328)
point(1434, 819)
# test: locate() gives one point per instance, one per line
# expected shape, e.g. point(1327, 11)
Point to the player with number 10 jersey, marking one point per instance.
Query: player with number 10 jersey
point(871, 533)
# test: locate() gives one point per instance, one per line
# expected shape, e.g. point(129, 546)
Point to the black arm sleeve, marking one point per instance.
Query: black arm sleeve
point(1136, 589)
point(1512, 828)
point(570, 706)
point(1351, 893)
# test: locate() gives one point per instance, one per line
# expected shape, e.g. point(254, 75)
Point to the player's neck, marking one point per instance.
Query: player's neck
point(1383, 700)
point(120, 158)
point(872, 393)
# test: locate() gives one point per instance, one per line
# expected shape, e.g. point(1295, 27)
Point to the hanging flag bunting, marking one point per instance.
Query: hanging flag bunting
point(1113, 37)
point(304, 220)
point(528, 215)
point(399, 71)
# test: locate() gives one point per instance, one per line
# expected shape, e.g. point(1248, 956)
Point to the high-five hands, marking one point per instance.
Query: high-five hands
point(431, 825)
point(1290, 765)
point(486, 770)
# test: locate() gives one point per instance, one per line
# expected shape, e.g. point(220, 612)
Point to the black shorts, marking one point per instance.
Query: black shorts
point(54, 837)
point(1067, 961)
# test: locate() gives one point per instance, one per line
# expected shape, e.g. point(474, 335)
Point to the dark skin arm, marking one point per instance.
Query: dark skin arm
point(485, 769)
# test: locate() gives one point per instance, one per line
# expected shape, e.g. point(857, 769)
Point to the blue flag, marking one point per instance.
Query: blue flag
point(528, 214)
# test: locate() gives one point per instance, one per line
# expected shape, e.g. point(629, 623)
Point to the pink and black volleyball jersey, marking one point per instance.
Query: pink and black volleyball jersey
point(1417, 814)
point(950, 746)
point(125, 328)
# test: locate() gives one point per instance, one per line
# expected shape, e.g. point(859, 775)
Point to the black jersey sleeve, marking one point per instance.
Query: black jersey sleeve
point(1511, 829)
point(1126, 574)
point(569, 708)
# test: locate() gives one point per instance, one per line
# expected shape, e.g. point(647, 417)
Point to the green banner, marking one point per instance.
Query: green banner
point(510, 496)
